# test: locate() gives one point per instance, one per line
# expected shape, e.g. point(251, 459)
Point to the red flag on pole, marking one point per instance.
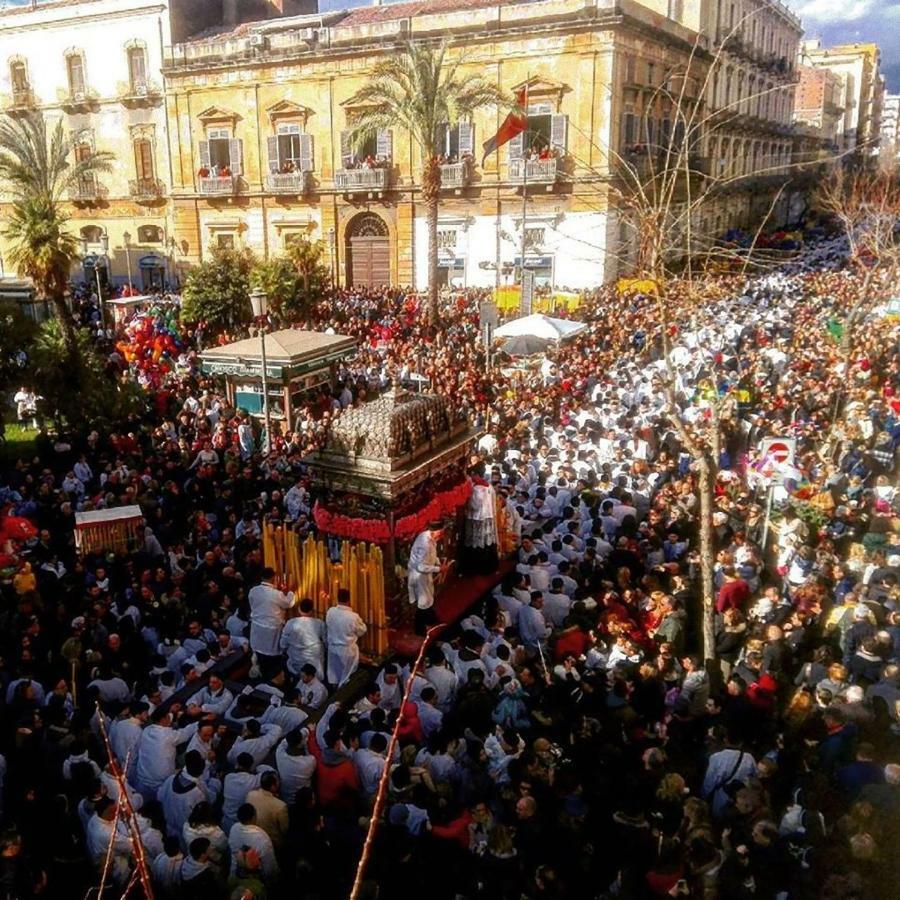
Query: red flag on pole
point(514, 124)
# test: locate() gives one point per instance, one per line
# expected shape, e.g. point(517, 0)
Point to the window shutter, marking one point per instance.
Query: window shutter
point(628, 129)
point(517, 146)
point(274, 161)
point(236, 155)
point(204, 155)
point(466, 138)
point(384, 143)
point(306, 153)
point(346, 148)
point(559, 132)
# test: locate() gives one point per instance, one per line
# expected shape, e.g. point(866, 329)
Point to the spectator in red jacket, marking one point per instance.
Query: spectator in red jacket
point(410, 727)
point(337, 781)
point(734, 594)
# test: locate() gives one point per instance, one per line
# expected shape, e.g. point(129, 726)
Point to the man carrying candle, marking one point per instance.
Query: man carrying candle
point(424, 564)
point(268, 610)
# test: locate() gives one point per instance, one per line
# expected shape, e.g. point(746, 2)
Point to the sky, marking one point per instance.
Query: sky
point(834, 21)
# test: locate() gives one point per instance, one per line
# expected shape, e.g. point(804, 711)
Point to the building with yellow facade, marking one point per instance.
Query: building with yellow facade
point(235, 135)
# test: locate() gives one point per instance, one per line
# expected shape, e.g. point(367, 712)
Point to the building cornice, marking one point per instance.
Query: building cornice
point(597, 19)
point(35, 23)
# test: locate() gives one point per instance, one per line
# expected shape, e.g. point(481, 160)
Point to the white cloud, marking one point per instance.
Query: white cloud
point(824, 12)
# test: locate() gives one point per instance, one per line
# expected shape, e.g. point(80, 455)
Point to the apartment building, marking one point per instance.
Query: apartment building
point(858, 66)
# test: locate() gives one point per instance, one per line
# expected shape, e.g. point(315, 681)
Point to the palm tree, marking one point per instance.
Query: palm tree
point(420, 90)
point(38, 168)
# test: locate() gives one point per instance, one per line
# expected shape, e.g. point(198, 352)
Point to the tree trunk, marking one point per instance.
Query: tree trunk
point(66, 326)
point(707, 559)
point(431, 190)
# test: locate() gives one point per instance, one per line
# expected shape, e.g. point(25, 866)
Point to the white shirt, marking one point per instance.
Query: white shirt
point(295, 772)
point(303, 638)
point(124, 736)
point(343, 626)
point(156, 753)
point(254, 838)
point(369, 767)
point(257, 747)
point(267, 610)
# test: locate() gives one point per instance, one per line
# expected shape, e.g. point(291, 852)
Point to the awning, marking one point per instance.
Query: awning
point(541, 326)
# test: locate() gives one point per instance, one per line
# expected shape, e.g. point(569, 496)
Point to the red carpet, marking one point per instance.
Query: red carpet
point(453, 601)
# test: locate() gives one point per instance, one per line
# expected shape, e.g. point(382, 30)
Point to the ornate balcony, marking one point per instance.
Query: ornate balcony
point(362, 180)
point(141, 92)
point(22, 100)
point(534, 171)
point(77, 101)
point(86, 190)
point(146, 189)
point(218, 185)
point(456, 175)
point(296, 183)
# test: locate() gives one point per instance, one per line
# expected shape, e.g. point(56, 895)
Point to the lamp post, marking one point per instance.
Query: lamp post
point(259, 302)
point(104, 244)
point(126, 238)
point(331, 248)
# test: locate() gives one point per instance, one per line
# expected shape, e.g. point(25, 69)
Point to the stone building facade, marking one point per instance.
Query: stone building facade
point(246, 126)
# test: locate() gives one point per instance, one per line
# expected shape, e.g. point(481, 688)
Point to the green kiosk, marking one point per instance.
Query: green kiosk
point(298, 364)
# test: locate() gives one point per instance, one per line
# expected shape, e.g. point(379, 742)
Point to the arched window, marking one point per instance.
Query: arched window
point(150, 234)
point(92, 233)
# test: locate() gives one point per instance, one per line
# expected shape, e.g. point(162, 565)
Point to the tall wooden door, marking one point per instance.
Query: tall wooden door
point(368, 251)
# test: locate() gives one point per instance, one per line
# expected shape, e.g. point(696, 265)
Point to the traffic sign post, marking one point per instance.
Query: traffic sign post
point(527, 293)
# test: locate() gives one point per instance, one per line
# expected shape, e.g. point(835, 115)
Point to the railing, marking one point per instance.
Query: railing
point(146, 188)
point(77, 98)
point(85, 190)
point(534, 171)
point(288, 182)
point(218, 184)
point(455, 175)
point(22, 98)
point(140, 89)
point(362, 179)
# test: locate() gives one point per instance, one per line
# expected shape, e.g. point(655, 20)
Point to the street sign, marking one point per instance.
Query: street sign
point(527, 293)
point(487, 314)
point(778, 450)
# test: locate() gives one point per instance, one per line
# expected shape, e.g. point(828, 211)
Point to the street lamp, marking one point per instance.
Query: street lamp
point(259, 302)
point(104, 244)
point(126, 237)
point(331, 247)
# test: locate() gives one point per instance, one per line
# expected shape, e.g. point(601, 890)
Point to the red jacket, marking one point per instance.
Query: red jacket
point(410, 726)
point(337, 782)
point(733, 595)
point(457, 830)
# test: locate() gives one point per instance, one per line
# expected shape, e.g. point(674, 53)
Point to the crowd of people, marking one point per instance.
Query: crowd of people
point(569, 737)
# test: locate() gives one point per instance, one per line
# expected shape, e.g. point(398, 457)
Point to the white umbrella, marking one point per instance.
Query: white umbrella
point(541, 326)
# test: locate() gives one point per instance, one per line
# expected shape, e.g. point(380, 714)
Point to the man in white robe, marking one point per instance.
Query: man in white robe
point(424, 564)
point(268, 608)
point(304, 640)
point(344, 628)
